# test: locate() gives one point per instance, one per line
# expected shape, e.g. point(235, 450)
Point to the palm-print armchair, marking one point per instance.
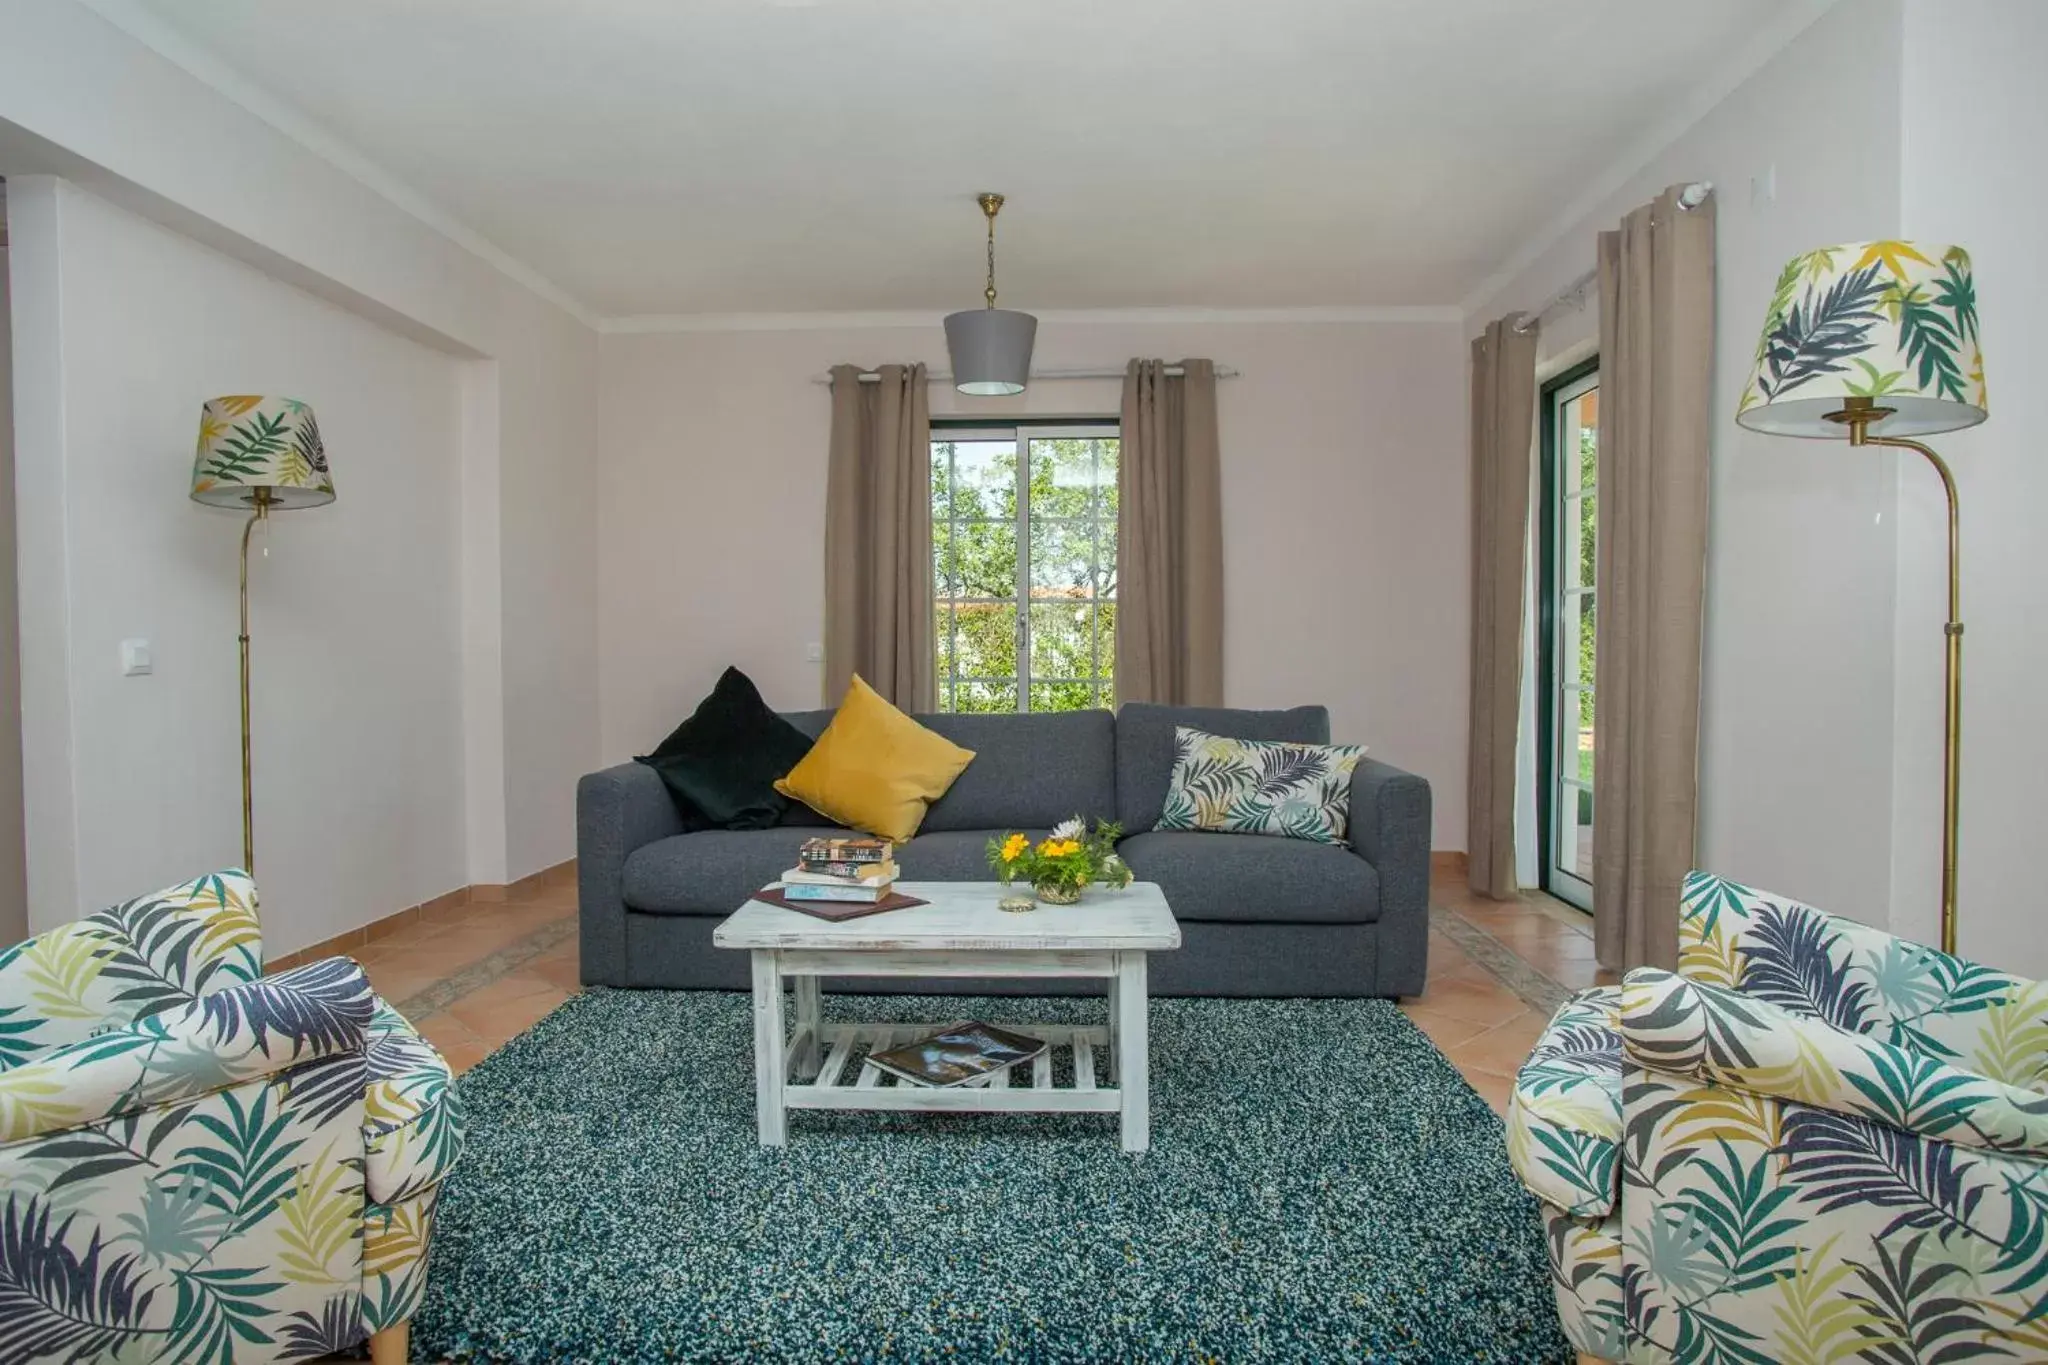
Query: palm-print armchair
point(201, 1163)
point(1814, 1142)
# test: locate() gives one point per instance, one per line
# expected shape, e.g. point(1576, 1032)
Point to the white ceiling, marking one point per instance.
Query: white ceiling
point(686, 156)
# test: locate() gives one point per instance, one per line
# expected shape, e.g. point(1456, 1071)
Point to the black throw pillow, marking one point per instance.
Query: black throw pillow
point(721, 764)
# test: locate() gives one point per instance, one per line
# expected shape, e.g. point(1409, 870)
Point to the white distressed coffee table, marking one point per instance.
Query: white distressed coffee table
point(960, 933)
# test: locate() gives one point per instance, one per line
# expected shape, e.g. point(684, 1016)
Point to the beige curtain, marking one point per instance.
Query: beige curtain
point(1503, 427)
point(1656, 369)
point(878, 537)
point(1169, 625)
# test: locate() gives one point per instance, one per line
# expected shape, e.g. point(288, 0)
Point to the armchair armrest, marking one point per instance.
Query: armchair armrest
point(1682, 1027)
point(1389, 828)
point(223, 1038)
point(617, 810)
point(1864, 980)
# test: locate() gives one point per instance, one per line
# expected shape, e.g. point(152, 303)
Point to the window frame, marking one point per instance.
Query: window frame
point(1022, 432)
point(1555, 879)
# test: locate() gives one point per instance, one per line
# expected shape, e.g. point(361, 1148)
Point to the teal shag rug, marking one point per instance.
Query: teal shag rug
point(1322, 1186)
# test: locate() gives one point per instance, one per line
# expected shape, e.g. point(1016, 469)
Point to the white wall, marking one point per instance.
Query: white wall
point(1971, 177)
point(86, 100)
point(1346, 522)
point(1796, 714)
point(355, 607)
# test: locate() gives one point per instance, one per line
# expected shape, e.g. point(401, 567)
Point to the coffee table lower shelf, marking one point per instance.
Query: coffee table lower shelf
point(1027, 1088)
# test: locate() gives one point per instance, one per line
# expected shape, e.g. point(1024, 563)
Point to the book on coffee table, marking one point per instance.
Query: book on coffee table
point(835, 911)
point(957, 1054)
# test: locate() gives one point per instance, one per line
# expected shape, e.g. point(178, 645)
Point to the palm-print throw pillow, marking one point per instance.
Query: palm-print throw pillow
point(1260, 786)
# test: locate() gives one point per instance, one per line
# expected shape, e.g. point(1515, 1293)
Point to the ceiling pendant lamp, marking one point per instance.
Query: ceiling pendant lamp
point(990, 346)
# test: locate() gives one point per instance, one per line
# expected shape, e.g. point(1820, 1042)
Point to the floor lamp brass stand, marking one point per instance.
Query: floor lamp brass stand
point(261, 499)
point(1858, 414)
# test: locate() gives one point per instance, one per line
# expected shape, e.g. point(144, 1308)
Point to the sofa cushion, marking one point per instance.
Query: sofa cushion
point(721, 764)
point(711, 872)
point(1032, 770)
point(875, 768)
point(1144, 747)
point(1029, 771)
point(1260, 786)
point(1253, 879)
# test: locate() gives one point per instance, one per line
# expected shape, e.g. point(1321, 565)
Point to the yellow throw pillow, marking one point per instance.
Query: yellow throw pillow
point(874, 768)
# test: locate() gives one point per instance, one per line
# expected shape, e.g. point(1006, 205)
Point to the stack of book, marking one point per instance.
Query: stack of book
point(855, 871)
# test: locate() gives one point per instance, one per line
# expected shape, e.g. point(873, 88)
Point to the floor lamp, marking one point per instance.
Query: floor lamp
point(263, 454)
point(1876, 343)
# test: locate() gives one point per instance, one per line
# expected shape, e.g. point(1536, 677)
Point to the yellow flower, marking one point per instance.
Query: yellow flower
point(1059, 848)
point(1014, 846)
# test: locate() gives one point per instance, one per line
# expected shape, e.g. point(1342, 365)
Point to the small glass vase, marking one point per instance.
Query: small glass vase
point(1057, 893)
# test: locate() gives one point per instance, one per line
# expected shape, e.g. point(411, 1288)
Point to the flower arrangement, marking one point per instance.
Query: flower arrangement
point(1060, 865)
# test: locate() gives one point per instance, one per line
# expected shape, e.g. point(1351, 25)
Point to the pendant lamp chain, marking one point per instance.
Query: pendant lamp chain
point(991, 204)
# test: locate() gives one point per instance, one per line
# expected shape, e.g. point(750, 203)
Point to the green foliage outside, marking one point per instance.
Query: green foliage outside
point(1071, 559)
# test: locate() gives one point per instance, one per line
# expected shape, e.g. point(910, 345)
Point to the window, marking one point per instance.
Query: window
point(1024, 566)
point(1571, 446)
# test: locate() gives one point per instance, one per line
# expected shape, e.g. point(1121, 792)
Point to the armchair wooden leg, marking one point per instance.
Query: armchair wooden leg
point(388, 1347)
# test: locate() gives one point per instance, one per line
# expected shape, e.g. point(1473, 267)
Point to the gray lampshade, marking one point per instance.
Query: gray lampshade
point(991, 350)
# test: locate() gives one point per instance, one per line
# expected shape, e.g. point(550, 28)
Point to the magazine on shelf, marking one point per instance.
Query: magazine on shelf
point(957, 1054)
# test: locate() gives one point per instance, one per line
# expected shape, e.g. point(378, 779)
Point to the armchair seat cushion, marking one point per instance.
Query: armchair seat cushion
point(1564, 1116)
point(1254, 879)
point(413, 1120)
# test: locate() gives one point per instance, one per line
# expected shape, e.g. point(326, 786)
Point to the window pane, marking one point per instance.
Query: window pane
point(1062, 696)
point(1061, 558)
point(1105, 645)
point(986, 696)
point(1106, 452)
point(1062, 640)
point(1587, 510)
point(984, 558)
point(1105, 560)
point(1064, 474)
point(1575, 829)
point(1588, 410)
point(942, 648)
point(986, 639)
point(945, 570)
point(984, 479)
point(1575, 640)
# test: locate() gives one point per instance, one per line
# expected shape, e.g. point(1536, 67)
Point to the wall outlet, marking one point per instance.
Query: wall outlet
point(1763, 188)
point(814, 653)
point(135, 660)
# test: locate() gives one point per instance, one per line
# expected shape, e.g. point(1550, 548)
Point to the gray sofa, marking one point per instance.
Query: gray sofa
point(1260, 916)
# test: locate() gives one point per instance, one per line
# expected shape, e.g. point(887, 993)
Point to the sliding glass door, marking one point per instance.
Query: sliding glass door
point(1570, 446)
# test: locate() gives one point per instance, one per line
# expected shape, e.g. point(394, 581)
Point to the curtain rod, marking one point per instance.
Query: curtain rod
point(1048, 376)
point(1691, 197)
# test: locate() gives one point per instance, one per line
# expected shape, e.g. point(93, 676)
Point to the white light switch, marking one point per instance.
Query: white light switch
point(814, 652)
point(134, 658)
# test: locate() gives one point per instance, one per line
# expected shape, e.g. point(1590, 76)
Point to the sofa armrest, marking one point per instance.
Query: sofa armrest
point(222, 1039)
point(1389, 828)
point(1672, 1024)
point(617, 810)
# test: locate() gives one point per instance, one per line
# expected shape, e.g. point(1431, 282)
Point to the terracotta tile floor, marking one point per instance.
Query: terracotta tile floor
point(474, 977)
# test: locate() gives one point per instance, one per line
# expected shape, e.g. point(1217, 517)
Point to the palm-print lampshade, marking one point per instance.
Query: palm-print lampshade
point(1895, 322)
point(248, 443)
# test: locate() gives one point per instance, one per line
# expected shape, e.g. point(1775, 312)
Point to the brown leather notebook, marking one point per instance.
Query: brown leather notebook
point(839, 910)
